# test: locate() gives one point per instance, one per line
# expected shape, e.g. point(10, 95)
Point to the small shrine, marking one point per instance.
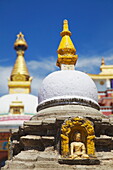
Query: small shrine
point(68, 131)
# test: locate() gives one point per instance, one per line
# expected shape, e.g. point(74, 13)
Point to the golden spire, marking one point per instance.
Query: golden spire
point(102, 61)
point(103, 66)
point(66, 50)
point(20, 80)
point(20, 67)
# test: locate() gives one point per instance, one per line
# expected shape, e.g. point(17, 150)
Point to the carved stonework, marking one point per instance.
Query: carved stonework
point(85, 128)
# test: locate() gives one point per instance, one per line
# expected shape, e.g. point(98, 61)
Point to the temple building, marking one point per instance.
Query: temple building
point(19, 105)
point(104, 84)
point(68, 131)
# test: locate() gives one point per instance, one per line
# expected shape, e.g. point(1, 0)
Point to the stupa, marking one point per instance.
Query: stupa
point(15, 106)
point(68, 131)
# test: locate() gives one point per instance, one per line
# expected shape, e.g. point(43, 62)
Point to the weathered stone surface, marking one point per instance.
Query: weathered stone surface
point(48, 160)
point(47, 141)
point(32, 123)
point(19, 165)
point(69, 110)
point(32, 142)
point(35, 130)
point(31, 155)
point(37, 142)
point(46, 164)
point(104, 143)
point(105, 120)
point(17, 147)
point(103, 156)
point(49, 121)
point(30, 137)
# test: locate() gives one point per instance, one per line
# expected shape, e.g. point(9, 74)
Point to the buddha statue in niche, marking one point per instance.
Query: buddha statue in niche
point(77, 148)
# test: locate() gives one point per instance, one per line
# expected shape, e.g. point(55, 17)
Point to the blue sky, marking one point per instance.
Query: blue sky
point(90, 21)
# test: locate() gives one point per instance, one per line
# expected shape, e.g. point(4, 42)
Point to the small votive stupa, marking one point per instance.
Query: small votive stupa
point(68, 131)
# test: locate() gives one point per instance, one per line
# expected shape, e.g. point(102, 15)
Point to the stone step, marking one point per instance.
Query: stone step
point(47, 164)
point(77, 168)
point(55, 168)
point(47, 159)
point(19, 165)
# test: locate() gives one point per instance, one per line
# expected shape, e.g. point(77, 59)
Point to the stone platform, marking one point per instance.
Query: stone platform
point(32, 159)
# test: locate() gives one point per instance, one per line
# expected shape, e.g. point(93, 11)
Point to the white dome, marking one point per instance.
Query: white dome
point(29, 101)
point(67, 84)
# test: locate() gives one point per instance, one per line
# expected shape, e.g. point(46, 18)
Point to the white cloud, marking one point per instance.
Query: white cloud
point(5, 74)
point(90, 63)
point(47, 64)
point(35, 86)
point(109, 59)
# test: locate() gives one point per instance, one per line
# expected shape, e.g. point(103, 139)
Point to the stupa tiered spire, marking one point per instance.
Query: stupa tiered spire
point(20, 80)
point(66, 50)
point(20, 67)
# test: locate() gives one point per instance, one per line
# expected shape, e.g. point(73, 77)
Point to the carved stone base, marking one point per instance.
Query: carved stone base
point(79, 161)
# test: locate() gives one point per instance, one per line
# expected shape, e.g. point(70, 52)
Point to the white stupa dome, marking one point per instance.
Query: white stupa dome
point(67, 84)
point(29, 101)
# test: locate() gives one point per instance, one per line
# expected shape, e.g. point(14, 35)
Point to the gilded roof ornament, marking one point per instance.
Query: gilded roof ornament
point(66, 50)
point(65, 29)
point(106, 72)
point(20, 67)
point(20, 43)
point(102, 61)
point(20, 80)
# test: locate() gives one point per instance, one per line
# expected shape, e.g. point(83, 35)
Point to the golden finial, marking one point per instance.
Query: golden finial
point(20, 67)
point(20, 80)
point(20, 43)
point(66, 50)
point(65, 29)
point(102, 61)
point(20, 71)
point(20, 36)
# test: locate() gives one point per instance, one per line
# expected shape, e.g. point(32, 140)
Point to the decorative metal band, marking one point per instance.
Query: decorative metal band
point(70, 101)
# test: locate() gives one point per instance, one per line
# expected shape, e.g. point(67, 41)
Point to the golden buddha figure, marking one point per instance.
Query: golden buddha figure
point(77, 148)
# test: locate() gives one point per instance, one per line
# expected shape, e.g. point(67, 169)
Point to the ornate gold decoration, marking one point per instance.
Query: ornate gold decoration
point(16, 107)
point(20, 43)
point(101, 82)
point(68, 129)
point(10, 149)
point(20, 77)
point(66, 50)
